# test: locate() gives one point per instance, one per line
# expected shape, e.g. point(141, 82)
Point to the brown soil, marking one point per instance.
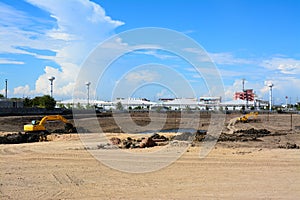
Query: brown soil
point(63, 169)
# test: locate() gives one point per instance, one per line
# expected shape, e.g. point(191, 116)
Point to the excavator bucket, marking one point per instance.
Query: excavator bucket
point(69, 128)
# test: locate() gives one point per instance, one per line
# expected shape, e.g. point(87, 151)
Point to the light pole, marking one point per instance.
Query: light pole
point(5, 88)
point(243, 82)
point(245, 92)
point(88, 92)
point(51, 79)
point(270, 85)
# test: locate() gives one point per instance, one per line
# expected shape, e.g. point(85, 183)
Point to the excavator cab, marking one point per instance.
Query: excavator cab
point(34, 127)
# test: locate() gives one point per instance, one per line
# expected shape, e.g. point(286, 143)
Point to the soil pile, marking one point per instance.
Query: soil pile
point(289, 146)
point(16, 138)
point(244, 135)
point(131, 143)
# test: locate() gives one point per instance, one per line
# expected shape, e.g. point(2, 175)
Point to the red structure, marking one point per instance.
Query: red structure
point(246, 95)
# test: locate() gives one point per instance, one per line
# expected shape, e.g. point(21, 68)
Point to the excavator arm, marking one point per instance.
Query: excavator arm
point(53, 118)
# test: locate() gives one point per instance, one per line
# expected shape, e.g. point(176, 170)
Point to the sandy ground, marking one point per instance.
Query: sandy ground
point(64, 169)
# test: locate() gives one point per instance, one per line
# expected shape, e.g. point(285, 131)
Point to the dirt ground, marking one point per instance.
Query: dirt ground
point(64, 169)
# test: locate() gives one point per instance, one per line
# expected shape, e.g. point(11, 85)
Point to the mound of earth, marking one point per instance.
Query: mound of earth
point(244, 135)
point(16, 138)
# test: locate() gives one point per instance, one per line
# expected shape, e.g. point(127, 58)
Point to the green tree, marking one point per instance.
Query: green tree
point(27, 102)
point(69, 106)
point(119, 106)
point(1, 96)
point(61, 106)
point(188, 108)
point(137, 108)
point(45, 101)
point(158, 109)
point(79, 106)
point(49, 102)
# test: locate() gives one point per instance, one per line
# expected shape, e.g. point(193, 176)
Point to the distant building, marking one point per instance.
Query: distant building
point(132, 103)
point(237, 104)
point(210, 100)
point(11, 103)
point(179, 103)
point(82, 103)
point(166, 99)
point(246, 95)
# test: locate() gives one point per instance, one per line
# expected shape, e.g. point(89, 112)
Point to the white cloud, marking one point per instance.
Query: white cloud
point(8, 61)
point(164, 94)
point(224, 58)
point(160, 54)
point(284, 65)
point(228, 59)
point(202, 55)
point(2, 91)
point(141, 76)
point(77, 27)
point(17, 29)
point(60, 36)
point(188, 31)
point(231, 73)
point(230, 90)
point(23, 90)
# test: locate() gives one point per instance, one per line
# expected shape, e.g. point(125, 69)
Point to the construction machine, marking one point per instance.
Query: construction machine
point(39, 126)
point(250, 116)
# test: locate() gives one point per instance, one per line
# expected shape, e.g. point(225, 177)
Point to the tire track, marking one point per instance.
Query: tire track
point(67, 179)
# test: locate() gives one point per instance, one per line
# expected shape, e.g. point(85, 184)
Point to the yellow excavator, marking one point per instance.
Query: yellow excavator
point(39, 126)
point(250, 116)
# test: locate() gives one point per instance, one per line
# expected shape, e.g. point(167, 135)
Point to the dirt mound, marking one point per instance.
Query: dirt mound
point(252, 131)
point(289, 146)
point(141, 142)
point(147, 142)
point(186, 136)
point(244, 135)
point(16, 138)
point(115, 140)
point(200, 135)
point(71, 130)
point(158, 138)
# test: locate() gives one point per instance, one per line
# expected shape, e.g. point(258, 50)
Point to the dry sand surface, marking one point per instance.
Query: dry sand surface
point(64, 169)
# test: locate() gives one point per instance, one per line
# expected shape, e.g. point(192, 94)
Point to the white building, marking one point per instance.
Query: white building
point(82, 103)
point(236, 104)
point(133, 103)
point(204, 103)
point(210, 100)
point(240, 104)
point(179, 104)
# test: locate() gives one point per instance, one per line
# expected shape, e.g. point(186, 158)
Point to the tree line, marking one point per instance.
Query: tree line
point(45, 101)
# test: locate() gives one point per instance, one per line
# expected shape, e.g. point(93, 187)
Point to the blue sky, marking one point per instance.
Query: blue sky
point(255, 40)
